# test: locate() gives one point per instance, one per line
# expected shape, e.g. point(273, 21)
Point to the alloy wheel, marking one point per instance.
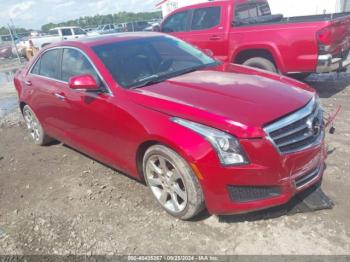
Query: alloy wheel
point(166, 183)
point(32, 125)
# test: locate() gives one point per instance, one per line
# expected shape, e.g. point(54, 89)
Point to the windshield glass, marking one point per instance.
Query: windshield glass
point(138, 62)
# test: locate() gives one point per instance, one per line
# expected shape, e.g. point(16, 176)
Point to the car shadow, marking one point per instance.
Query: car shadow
point(310, 200)
point(119, 172)
point(328, 85)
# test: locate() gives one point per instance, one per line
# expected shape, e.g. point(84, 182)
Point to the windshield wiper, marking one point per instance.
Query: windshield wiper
point(148, 80)
point(192, 69)
point(157, 78)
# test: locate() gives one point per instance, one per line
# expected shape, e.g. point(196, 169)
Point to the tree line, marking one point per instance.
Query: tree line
point(5, 30)
point(93, 21)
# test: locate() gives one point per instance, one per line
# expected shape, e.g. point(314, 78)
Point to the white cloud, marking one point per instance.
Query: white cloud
point(19, 9)
point(33, 14)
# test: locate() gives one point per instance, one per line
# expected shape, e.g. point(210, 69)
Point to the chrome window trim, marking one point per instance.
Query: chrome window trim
point(108, 89)
point(288, 120)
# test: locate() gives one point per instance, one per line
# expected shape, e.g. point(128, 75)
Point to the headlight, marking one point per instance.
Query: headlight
point(226, 146)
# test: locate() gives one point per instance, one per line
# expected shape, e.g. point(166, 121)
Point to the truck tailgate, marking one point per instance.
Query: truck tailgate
point(340, 36)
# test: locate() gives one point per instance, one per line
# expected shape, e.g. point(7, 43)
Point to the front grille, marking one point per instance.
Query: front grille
point(249, 193)
point(298, 131)
point(303, 180)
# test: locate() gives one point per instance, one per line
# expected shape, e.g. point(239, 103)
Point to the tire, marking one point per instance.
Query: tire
point(261, 63)
point(34, 127)
point(177, 190)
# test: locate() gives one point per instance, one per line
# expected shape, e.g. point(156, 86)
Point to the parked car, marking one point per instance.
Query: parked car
point(58, 34)
point(104, 29)
point(137, 26)
point(89, 29)
point(201, 133)
point(255, 37)
point(6, 51)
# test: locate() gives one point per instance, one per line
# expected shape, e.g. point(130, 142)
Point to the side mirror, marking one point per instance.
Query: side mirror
point(83, 83)
point(208, 52)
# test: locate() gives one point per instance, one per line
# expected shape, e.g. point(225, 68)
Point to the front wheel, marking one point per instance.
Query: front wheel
point(172, 182)
point(34, 127)
point(261, 63)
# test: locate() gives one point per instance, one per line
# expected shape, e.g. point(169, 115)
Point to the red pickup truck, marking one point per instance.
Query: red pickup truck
point(245, 32)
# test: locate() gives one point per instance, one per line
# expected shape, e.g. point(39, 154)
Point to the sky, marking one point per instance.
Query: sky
point(35, 13)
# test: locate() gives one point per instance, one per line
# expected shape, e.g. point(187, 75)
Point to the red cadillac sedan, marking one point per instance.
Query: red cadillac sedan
point(200, 133)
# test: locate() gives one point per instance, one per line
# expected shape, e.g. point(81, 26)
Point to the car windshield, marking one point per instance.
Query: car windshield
point(140, 62)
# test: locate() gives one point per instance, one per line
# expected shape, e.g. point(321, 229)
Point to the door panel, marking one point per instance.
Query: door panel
point(41, 84)
point(89, 118)
point(90, 122)
point(204, 28)
point(207, 31)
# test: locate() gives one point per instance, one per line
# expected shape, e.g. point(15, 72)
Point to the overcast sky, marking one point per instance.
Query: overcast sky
point(35, 13)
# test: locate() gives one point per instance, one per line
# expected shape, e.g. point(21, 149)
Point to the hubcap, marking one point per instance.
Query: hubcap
point(166, 183)
point(32, 125)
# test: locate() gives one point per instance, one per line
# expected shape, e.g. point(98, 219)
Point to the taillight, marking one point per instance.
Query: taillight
point(325, 36)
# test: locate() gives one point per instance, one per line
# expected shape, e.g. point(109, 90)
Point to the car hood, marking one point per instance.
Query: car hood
point(238, 103)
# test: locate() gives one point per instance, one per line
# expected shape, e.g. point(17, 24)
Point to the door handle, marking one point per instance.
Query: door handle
point(60, 97)
point(214, 37)
point(65, 38)
point(28, 83)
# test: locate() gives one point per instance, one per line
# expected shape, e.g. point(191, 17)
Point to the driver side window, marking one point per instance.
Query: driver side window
point(75, 63)
point(176, 23)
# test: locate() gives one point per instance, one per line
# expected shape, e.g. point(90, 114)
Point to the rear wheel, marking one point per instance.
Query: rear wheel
point(172, 182)
point(34, 127)
point(261, 63)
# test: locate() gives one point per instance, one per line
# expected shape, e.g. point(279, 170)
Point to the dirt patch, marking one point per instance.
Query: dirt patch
point(54, 200)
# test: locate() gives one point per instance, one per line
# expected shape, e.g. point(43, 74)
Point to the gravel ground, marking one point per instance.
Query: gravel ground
point(54, 200)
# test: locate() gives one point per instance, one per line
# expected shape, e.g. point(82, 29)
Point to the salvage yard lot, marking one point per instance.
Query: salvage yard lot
point(54, 200)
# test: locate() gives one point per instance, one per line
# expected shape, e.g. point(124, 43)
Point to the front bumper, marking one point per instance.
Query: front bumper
point(270, 180)
point(327, 63)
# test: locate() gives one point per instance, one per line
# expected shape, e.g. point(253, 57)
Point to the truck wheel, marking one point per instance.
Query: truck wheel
point(172, 182)
point(261, 63)
point(34, 127)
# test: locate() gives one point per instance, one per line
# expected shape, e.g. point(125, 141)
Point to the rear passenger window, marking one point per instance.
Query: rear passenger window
point(74, 63)
point(78, 31)
point(206, 18)
point(176, 23)
point(251, 10)
point(49, 64)
point(66, 32)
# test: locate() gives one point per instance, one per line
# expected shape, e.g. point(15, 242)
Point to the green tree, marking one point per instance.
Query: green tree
point(93, 21)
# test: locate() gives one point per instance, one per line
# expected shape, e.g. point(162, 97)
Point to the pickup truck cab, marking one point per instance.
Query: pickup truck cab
point(58, 34)
point(245, 32)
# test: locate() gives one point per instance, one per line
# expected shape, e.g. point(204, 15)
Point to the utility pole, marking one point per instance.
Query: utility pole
point(14, 43)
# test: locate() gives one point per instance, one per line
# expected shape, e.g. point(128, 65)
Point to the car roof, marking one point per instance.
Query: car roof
point(63, 27)
point(91, 41)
